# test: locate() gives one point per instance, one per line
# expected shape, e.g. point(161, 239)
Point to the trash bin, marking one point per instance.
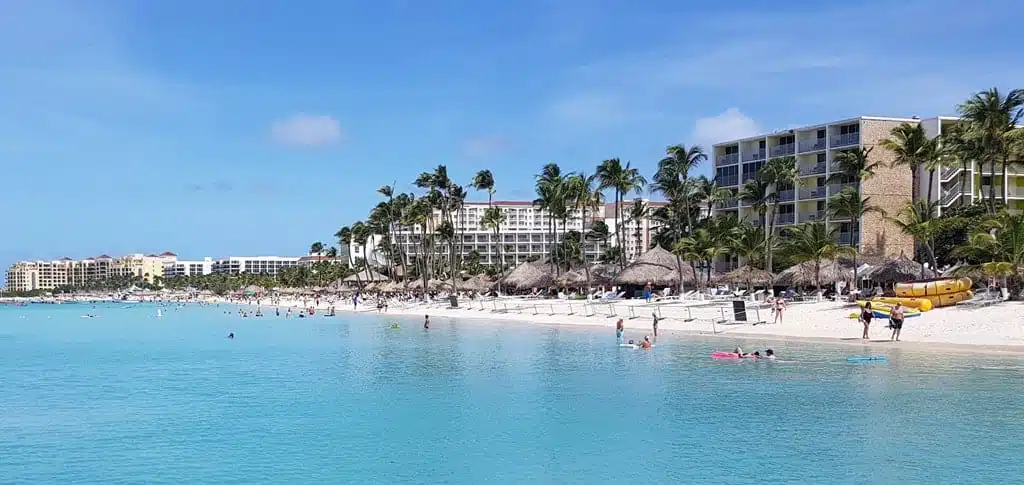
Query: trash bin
point(454, 301)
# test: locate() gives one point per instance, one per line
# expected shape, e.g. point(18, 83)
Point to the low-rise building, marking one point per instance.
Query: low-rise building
point(268, 265)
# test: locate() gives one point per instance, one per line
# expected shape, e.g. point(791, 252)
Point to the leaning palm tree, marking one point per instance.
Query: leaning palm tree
point(919, 220)
point(345, 238)
point(992, 116)
point(316, 248)
point(622, 179)
point(583, 193)
point(853, 164)
point(710, 192)
point(911, 148)
point(814, 241)
point(484, 180)
point(848, 204)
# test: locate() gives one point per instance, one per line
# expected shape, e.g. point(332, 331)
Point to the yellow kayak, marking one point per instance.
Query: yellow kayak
point(923, 304)
point(933, 287)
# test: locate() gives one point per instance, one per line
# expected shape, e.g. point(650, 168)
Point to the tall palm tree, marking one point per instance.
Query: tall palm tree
point(701, 248)
point(584, 196)
point(849, 204)
point(919, 219)
point(623, 179)
point(637, 213)
point(316, 248)
point(1000, 244)
point(757, 193)
point(748, 243)
point(548, 187)
point(484, 180)
point(814, 241)
point(678, 162)
point(911, 148)
point(493, 218)
point(345, 238)
point(710, 192)
point(777, 173)
point(389, 192)
point(992, 117)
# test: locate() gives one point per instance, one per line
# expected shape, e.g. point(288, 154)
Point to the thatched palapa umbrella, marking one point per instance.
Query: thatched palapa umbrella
point(529, 276)
point(574, 278)
point(749, 275)
point(896, 270)
point(803, 274)
point(657, 266)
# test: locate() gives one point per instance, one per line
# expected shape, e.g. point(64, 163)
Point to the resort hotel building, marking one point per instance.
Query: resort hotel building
point(47, 275)
point(526, 233)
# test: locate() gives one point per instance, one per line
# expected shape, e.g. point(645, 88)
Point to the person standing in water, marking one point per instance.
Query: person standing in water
point(620, 328)
point(655, 324)
point(426, 323)
point(866, 314)
point(896, 321)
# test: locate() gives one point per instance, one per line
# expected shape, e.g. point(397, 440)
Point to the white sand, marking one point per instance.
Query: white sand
point(994, 328)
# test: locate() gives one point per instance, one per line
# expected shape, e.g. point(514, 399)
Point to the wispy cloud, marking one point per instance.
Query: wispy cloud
point(304, 130)
point(483, 146)
point(728, 125)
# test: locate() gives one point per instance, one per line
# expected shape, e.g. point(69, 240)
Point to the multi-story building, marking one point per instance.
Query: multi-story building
point(269, 265)
point(814, 148)
point(953, 186)
point(525, 234)
point(180, 267)
point(47, 275)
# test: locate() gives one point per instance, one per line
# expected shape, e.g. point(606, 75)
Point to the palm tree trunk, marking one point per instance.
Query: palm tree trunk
point(915, 190)
point(583, 247)
point(992, 188)
point(686, 207)
point(769, 255)
point(501, 260)
point(1004, 181)
point(618, 237)
point(679, 268)
point(931, 184)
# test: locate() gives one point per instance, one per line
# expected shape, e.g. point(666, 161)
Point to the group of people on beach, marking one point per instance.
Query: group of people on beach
point(896, 316)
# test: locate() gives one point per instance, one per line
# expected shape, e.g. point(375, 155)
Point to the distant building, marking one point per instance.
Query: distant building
point(268, 265)
point(176, 268)
point(47, 275)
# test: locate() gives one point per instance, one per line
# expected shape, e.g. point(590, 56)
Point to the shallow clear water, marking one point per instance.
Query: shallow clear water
point(127, 398)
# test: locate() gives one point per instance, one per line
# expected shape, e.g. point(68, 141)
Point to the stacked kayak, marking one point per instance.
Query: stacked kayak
point(881, 310)
point(939, 292)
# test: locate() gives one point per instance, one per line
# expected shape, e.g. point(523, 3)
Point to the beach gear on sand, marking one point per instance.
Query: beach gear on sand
point(866, 358)
point(933, 293)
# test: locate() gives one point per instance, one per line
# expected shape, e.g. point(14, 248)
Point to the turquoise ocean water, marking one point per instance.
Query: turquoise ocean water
point(128, 398)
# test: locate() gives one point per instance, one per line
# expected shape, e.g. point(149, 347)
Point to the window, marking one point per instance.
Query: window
point(821, 158)
point(821, 205)
point(787, 209)
point(731, 150)
point(849, 129)
point(787, 140)
point(760, 145)
point(821, 134)
point(821, 181)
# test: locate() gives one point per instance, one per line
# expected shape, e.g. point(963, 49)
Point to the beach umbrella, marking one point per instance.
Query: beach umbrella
point(657, 266)
point(748, 275)
point(897, 269)
point(574, 278)
point(802, 274)
point(529, 276)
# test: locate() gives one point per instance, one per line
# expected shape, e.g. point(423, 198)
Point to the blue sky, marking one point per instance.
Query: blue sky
point(256, 127)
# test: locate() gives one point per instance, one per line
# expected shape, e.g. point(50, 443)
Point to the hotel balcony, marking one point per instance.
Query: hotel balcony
point(849, 238)
point(727, 181)
point(812, 216)
point(729, 204)
point(834, 189)
point(813, 193)
point(948, 173)
point(783, 150)
point(1010, 170)
point(816, 169)
point(849, 139)
point(753, 157)
point(812, 145)
point(748, 177)
point(787, 195)
point(728, 159)
point(1015, 192)
point(785, 219)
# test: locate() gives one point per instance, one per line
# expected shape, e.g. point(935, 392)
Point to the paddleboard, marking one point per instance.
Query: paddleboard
point(629, 346)
point(725, 355)
point(866, 358)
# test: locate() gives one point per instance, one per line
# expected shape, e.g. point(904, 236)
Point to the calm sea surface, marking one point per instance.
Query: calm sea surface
point(128, 398)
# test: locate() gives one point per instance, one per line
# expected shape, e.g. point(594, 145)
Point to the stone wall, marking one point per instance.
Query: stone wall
point(890, 190)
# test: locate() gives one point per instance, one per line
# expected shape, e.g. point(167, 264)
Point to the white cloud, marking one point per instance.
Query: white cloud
point(304, 130)
point(483, 146)
point(729, 125)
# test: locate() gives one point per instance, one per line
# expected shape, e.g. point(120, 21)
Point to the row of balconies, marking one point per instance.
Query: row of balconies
point(812, 193)
point(817, 144)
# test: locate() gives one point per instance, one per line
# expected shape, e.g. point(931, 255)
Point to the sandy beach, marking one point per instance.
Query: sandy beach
point(994, 328)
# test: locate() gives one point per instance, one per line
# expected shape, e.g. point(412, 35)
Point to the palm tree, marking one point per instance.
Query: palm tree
point(849, 204)
point(814, 241)
point(637, 213)
point(992, 117)
point(623, 180)
point(548, 184)
point(1000, 242)
point(493, 218)
point(748, 243)
point(316, 248)
point(911, 148)
point(362, 235)
point(777, 173)
point(345, 238)
point(757, 194)
point(389, 192)
point(583, 194)
point(919, 220)
point(853, 164)
point(701, 248)
point(678, 162)
point(710, 192)
point(484, 180)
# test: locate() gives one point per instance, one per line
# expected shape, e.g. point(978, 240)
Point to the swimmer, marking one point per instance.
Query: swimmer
point(769, 354)
point(646, 344)
point(655, 317)
point(394, 325)
point(231, 335)
point(619, 329)
point(426, 323)
point(739, 351)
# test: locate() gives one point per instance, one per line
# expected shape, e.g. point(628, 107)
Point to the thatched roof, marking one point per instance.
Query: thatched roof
point(476, 283)
point(365, 277)
point(657, 266)
point(602, 274)
point(897, 269)
point(803, 274)
point(572, 278)
point(529, 276)
point(747, 274)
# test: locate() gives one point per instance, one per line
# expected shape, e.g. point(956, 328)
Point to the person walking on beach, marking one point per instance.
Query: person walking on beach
point(896, 321)
point(426, 323)
point(620, 328)
point(779, 305)
point(655, 324)
point(355, 302)
point(866, 314)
